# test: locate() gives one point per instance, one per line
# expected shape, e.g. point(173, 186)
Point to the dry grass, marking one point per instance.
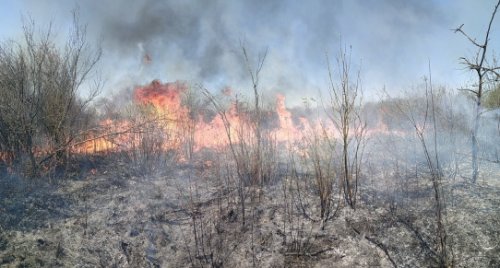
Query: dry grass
point(117, 219)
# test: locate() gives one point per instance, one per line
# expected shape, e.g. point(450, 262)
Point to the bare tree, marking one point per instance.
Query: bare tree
point(344, 106)
point(485, 73)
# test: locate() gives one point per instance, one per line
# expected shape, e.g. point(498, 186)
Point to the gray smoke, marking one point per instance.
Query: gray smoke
point(199, 41)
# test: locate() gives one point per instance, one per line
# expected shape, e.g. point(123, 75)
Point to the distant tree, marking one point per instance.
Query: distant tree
point(486, 73)
point(492, 98)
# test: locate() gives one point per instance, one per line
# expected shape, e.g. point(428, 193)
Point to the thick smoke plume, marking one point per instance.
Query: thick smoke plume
point(200, 40)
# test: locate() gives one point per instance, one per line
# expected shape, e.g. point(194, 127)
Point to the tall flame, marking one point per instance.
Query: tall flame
point(173, 118)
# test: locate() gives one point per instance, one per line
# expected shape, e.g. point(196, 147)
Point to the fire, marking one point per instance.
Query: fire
point(165, 98)
point(287, 130)
point(162, 121)
point(172, 117)
point(113, 136)
point(161, 115)
point(213, 134)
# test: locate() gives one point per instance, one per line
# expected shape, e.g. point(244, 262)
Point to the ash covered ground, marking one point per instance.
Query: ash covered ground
point(187, 215)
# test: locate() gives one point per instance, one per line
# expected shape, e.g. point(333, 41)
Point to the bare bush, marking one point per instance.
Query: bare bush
point(193, 103)
point(150, 140)
point(422, 117)
point(40, 107)
point(344, 112)
point(315, 174)
point(246, 138)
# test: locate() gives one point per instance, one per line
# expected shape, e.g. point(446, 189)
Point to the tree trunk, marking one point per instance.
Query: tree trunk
point(475, 149)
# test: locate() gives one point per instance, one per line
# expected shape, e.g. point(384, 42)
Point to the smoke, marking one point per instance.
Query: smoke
point(199, 41)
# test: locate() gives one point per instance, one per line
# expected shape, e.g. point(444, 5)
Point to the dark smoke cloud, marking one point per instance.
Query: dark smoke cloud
point(204, 37)
point(200, 40)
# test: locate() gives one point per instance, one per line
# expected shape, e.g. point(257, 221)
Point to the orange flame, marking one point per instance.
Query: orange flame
point(178, 126)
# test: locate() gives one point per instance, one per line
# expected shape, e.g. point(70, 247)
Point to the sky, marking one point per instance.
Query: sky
point(392, 42)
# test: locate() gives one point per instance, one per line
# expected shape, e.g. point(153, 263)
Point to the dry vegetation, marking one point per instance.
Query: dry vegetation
point(385, 184)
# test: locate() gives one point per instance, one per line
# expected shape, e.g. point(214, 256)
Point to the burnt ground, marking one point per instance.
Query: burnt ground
point(187, 215)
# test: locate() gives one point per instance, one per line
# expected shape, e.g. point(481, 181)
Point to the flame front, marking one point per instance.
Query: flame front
point(176, 126)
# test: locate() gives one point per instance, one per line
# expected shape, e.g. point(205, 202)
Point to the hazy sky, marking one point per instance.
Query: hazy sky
point(199, 41)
